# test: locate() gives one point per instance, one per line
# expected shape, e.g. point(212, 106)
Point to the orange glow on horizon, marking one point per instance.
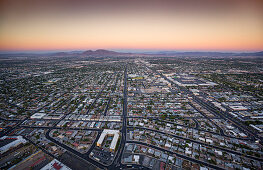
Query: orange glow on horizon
point(162, 25)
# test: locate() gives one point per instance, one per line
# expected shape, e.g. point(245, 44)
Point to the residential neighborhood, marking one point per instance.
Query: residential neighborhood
point(131, 112)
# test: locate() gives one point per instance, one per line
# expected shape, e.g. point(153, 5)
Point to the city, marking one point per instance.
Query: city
point(131, 84)
point(131, 112)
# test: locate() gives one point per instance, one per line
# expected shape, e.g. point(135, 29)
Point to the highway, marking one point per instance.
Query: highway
point(227, 116)
point(220, 129)
point(116, 163)
point(208, 105)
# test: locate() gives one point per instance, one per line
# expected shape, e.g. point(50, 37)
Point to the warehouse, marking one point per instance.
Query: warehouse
point(10, 142)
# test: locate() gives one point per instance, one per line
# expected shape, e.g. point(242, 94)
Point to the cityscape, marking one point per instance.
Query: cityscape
point(131, 112)
point(131, 85)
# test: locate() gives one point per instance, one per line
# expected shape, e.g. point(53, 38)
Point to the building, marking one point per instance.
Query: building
point(55, 165)
point(38, 116)
point(8, 142)
point(108, 132)
point(238, 108)
point(53, 116)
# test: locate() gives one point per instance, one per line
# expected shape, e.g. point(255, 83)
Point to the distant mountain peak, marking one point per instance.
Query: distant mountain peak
point(100, 52)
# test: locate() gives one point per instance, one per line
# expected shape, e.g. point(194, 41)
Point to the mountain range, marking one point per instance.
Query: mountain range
point(175, 53)
point(105, 53)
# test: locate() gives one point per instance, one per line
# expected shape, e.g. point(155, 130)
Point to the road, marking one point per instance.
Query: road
point(98, 96)
point(209, 106)
point(8, 131)
point(117, 164)
point(177, 154)
point(82, 156)
point(117, 161)
point(227, 116)
point(198, 142)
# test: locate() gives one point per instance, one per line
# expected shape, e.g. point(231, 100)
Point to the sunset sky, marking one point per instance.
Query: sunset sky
point(208, 25)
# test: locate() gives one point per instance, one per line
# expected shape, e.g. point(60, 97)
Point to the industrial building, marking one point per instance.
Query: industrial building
point(8, 142)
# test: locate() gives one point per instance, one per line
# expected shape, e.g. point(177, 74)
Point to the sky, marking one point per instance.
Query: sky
point(185, 25)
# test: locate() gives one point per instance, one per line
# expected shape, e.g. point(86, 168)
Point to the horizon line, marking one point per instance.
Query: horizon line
point(123, 50)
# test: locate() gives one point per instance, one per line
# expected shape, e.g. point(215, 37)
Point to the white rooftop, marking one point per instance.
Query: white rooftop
point(54, 165)
point(114, 141)
point(38, 115)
